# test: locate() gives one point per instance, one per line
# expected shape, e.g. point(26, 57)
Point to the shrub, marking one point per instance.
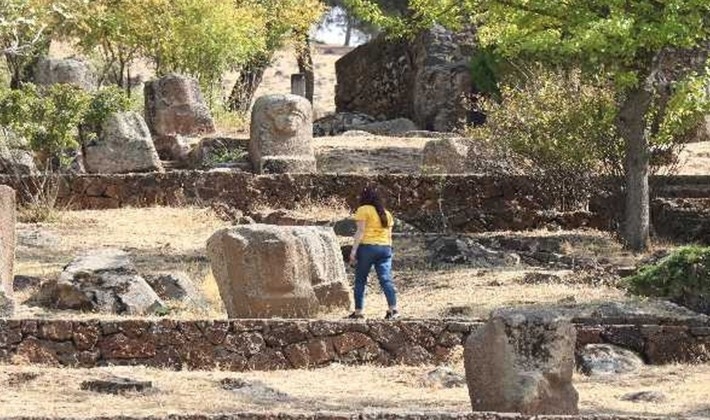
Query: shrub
point(103, 103)
point(683, 277)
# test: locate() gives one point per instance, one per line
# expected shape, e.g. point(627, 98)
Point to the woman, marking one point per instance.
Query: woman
point(373, 247)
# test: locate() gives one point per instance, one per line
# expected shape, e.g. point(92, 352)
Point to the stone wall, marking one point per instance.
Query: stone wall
point(425, 80)
point(7, 247)
point(239, 345)
point(351, 416)
point(436, 203)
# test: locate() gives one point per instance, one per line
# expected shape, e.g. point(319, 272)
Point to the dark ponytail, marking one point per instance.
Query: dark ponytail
point(370, 197)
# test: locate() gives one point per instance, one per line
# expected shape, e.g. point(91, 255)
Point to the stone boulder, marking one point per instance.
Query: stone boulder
point(282, 135)
point(335, 124)
point(124, 146)
point(17, 162)
point(445, 156)
point(103, 281)
point(173, 147)
point(174, 105)
point(522, 361)
point(72, 71)
point(7, 248)
point(267, 271)
point(702, 132)
point(174, 286)
point(607, 359)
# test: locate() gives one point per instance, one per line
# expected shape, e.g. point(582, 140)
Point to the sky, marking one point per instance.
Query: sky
point(335, 34)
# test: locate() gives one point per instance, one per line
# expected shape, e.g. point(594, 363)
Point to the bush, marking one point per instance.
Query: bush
point(682, 277)
point(49, 118)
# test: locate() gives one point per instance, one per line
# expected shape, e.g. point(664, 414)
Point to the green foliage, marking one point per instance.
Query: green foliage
point(557, 120)
point(50, 117)
point(103, 103)
point(683, 277)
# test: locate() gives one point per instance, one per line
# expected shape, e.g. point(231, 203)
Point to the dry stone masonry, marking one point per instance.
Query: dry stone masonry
point(174, 105)
point(124, 146)
point(282, 135)
point(522, 361)
point(7, 248)
point(239, 345)
point(426, 80)
point(268, 271)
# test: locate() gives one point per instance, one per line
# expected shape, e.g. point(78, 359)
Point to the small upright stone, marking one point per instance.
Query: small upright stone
point(7, 248)
point(174, 105)
point(522, 361)
point(116, 385)
point(445, 156)
point(124, 146)
point(282, 135)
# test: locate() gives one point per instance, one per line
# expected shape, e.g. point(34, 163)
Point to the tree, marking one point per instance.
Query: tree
point(285, 22)
point(25, 30)
point(648, 48)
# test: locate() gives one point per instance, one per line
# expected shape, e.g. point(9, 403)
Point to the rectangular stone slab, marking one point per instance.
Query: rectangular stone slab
point(7, 246)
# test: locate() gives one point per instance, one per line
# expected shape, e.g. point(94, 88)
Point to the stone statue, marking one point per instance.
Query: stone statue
point(281, 135)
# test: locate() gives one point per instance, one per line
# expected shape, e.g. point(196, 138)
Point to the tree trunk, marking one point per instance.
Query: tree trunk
point(305, 66)
point(249, 79)
point(348, 30)
point(631, 123)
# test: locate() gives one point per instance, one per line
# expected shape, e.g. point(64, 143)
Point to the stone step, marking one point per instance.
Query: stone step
point(238, 345)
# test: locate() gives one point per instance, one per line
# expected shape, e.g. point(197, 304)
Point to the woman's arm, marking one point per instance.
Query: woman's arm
point(359, 233)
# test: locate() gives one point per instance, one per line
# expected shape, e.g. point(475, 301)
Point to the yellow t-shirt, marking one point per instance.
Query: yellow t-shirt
point(375, 234)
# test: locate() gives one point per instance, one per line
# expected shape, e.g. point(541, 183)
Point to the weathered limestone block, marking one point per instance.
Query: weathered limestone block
point(174, 105)
point(445, 156)
point(51, 71)
point(282, 135)
point(277, 271)
point(7, 248)
point(522, 360)
point(125, 145)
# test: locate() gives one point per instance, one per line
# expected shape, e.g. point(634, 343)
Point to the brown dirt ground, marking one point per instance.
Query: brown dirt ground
point(56, 392)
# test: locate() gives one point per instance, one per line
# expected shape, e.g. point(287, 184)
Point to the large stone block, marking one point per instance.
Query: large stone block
point(267, 271)
point(7, 248)
point(522, 361)
point(282, 135)
point(426, 79)
point(125, 145)
point(174, 105)
point(51, 71)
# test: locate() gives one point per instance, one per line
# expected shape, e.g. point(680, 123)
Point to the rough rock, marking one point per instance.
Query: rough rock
point(174, 105)
point(445, 156)
point(395, 127)
point(607, 359)
point(124, 146)
point(211, 152)
point(462, 250)
point(7, 248)
point(535, 277)
point(254, 390)
point(171, 147)
point(174, 286)
point(101, 280)
point(266, 271)
point(342, 122)
point(116, 385)
point(17, 162)
point(51, 71)
point(426, 79)
point(703, 131)
point(444, 377)
point(522, 361)
point(281, 138)
point(21, 282)
point(644, 396)
point(345, 227)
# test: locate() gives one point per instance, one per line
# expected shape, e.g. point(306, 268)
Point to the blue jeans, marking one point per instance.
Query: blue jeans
point(381, 257)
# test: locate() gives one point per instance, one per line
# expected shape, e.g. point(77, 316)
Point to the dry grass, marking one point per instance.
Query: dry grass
point(56, 392)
